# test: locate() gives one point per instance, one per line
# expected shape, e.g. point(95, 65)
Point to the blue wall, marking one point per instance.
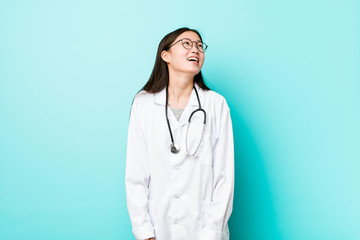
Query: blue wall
point(288, 69)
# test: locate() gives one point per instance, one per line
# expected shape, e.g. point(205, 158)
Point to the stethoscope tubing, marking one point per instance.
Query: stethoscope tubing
point(174, 147)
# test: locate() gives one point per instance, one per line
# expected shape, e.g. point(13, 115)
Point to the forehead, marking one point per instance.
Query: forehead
point(189, 34)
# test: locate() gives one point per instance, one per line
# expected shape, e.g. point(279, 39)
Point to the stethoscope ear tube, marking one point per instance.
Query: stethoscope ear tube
point(199, 109)
point(186, 145)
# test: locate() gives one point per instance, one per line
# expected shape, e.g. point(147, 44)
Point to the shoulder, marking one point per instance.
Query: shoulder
point(216, 99)
point(141, 98)
point(142, 95)
point(214, 95)
point(141, 102)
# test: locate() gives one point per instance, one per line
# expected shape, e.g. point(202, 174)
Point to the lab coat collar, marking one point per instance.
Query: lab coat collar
point(160, 97)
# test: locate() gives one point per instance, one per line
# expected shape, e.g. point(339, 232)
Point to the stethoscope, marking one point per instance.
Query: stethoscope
point(174, 147)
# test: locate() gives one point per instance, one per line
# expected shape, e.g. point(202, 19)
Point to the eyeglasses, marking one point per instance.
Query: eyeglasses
point(188, 44)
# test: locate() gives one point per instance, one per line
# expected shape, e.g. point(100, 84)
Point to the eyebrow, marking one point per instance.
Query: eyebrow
point(192, 40)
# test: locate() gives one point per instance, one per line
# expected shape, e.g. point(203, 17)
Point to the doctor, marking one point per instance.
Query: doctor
point(180, 151)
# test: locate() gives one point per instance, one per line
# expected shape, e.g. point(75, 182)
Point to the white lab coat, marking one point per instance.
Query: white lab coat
point(174, 196)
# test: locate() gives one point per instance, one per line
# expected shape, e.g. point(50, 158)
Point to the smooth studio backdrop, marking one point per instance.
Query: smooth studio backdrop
point(288, 69)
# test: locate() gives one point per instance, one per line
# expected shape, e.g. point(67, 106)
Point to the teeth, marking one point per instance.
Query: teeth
point(193, 59)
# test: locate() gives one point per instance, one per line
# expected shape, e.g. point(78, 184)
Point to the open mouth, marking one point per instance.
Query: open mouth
point(193, 59)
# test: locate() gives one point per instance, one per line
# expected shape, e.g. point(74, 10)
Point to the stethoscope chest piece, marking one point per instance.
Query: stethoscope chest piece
point(174, 147)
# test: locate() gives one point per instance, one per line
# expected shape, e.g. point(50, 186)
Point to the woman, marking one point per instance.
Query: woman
point(179, 171)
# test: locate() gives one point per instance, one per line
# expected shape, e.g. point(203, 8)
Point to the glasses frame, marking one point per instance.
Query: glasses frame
point(205, 46)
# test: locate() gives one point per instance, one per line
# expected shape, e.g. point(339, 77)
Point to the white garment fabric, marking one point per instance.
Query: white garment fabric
point(175, 196)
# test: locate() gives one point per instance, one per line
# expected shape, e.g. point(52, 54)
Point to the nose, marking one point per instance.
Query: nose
point(194, 47)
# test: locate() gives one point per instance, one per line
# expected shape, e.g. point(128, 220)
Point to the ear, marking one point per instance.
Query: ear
point(165, 55)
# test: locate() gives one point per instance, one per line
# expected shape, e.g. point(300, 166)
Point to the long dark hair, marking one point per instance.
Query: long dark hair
point(160, 75)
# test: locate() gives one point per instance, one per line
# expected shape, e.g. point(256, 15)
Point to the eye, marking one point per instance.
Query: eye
point(187, 42)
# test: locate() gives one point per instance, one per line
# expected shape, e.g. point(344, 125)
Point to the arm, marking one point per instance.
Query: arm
point(137, 178)
point(220, 208)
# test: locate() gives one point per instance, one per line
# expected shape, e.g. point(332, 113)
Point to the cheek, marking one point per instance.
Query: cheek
point(178, 63)
point(202, 57)
point(202, 61)
point(180, 59)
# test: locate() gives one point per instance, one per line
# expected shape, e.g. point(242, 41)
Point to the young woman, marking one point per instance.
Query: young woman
point(180, 152)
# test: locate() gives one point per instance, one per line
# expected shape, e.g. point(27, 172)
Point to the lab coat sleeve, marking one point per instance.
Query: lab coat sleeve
point(220, 208)
point(137, 177)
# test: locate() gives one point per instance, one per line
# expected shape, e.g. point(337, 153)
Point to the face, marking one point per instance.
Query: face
point(180, 59)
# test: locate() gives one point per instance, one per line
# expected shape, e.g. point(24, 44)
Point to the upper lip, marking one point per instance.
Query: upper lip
point(197, 58)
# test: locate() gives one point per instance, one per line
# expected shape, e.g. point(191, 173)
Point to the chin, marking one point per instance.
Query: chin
point(194, 71)
point(193, 74)
point(189, 71)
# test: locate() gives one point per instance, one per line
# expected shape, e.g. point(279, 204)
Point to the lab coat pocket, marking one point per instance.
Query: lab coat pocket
point(206, 150)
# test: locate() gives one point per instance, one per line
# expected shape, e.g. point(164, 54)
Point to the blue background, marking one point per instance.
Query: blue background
point(288, 69)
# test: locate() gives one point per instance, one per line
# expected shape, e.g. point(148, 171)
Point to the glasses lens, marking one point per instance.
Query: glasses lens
point(187, 43)
point(200, 46)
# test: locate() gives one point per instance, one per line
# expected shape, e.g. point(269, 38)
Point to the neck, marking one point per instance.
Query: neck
point(180, 88)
